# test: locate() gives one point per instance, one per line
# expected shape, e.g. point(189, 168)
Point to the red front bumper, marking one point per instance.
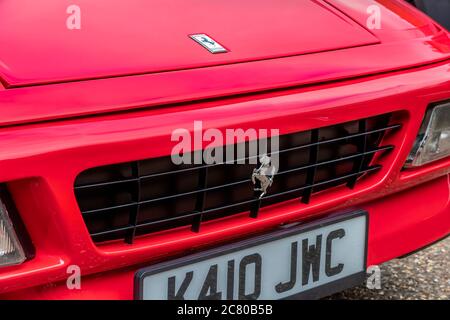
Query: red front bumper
point(408, 209)
point(398, 225)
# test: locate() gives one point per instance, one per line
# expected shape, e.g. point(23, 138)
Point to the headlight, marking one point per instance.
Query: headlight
point(433, 141)
point(11, 252)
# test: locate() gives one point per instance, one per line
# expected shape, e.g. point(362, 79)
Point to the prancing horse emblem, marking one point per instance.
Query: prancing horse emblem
point(262, 177)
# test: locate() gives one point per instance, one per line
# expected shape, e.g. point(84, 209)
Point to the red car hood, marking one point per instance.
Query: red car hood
point(140, 36)
point(128, 47)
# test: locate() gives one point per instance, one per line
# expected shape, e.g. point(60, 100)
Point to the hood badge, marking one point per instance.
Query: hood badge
point(208, 43)
point(262, 176)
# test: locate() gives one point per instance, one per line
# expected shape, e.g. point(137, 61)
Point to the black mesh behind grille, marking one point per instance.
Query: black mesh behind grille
point(129, 199)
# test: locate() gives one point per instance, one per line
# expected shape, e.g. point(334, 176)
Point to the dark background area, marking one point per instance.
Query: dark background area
point(421, 276)
point(439, 10)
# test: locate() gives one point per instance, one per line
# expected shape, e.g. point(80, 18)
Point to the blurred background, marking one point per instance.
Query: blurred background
point(439, 10)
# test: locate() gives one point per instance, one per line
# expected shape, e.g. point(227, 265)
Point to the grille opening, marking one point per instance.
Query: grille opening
point(122, 201)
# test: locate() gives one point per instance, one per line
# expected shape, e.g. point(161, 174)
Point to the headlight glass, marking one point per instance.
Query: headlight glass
point(11, 252)
point(433, 140)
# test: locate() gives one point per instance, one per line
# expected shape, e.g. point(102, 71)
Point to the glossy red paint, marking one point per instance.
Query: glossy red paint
point(34, 104)
point(408, 212)
point(155, 35)
point(399, 19)
point(49, 134)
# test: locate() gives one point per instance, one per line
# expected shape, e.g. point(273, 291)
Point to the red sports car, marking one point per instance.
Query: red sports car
point(116, 117)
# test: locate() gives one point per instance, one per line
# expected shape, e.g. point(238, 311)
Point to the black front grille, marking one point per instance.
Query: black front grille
point(126, 200)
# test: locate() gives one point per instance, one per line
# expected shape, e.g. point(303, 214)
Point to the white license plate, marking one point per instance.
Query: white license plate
point(308, 261)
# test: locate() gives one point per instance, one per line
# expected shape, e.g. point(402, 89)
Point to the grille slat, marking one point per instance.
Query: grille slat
point(130, 199)
point(201, 199)
point(103, 184)
point(362, 146)
point(135, 213)
point(202, 192)
point(311, 175)
point(195, 214)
